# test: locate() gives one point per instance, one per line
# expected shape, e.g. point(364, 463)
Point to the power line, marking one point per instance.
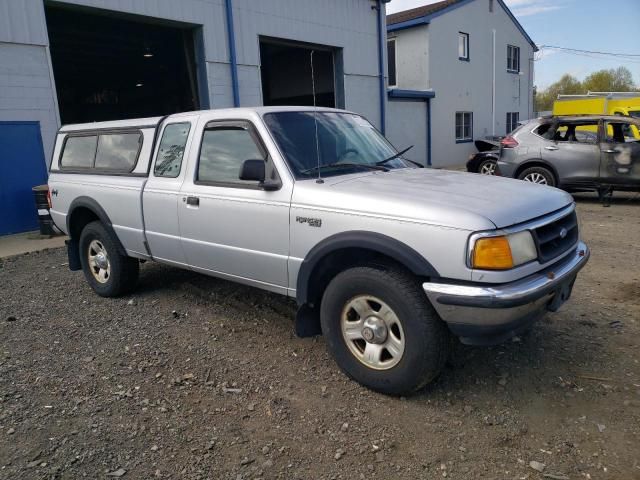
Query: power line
point(591, 51)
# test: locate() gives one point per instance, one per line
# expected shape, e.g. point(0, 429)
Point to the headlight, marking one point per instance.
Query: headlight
point(503, 252)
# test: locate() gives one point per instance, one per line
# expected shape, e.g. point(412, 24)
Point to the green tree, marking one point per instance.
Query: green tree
point(612, 80)
point(568, 85)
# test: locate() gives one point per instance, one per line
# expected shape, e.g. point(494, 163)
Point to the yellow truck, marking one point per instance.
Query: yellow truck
point(601, 103)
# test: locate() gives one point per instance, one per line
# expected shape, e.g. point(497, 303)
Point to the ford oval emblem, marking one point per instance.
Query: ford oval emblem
point(563, 232)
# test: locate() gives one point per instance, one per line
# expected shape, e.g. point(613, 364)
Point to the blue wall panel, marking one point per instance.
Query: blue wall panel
point(22, 166)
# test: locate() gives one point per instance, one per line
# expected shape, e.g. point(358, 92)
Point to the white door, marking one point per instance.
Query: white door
point(231, 227)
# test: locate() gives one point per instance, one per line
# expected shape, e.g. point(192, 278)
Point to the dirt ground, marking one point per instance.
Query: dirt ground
point(193, 377)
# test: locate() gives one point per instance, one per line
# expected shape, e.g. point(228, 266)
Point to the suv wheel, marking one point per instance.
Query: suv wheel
point(539, 175)
point(488, 167)
point(109, 273)
point(382, 331)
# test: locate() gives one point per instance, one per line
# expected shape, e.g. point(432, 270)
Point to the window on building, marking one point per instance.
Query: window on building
point(463, 46)
point(513, 59)
point(391, 62)
point(512, 121)
point(171, 151)
point(224, 150)
point(464, 126)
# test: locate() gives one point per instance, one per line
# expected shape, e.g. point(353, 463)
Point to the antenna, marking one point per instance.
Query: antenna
point(315, 120)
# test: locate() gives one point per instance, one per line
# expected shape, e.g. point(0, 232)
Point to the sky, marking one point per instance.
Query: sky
point(596, 25)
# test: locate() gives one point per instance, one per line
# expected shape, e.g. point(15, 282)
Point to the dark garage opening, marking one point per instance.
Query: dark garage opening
point(109, 67)
point(286, 74)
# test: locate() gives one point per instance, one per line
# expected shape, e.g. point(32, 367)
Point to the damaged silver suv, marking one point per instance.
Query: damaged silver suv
point(385, 259)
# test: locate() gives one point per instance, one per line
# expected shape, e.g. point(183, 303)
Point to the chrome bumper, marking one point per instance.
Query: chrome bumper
point(492, 313)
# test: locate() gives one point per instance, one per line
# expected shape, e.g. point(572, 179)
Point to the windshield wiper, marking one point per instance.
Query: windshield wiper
point(399, 154)
point(345, 165)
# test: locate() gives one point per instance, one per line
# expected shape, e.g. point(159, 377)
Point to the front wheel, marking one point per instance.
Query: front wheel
point(382, 331)
point(539, 175)
point(107, 271)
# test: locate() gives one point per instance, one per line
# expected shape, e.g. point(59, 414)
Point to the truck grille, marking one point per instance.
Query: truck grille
point(557, 237)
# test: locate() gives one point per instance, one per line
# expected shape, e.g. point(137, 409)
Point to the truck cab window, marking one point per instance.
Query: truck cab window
point(223, 151)
point(171, 150)
point(79, 152)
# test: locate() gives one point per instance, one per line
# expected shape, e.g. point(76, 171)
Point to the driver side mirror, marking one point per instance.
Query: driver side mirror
point(254, 170)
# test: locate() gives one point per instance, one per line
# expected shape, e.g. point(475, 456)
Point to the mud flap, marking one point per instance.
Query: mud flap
point(73, 254)
point(308, 321)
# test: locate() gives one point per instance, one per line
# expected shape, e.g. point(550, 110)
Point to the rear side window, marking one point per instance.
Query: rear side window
point(79, 152)
point(171, 151)
point(223, 151)
point(118, 151)
point(115, 152)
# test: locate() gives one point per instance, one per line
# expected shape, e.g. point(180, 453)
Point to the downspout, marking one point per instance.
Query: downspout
point(428, 132)
point(231, 39)
point(493, 88)
point(381, 45)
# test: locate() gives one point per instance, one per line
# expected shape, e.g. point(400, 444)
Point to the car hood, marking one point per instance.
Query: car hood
point(447, 198)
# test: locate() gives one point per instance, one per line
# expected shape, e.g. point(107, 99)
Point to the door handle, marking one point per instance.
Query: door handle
point(612, 150)
point(193, 201)
point(551, 148)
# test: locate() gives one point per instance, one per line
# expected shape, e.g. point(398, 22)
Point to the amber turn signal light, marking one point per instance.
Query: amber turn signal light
point(492, 253)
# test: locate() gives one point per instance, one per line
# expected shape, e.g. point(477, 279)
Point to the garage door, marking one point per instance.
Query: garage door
point(22, 166)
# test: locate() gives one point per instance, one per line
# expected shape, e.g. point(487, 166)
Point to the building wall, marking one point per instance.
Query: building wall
point(407, 126)
point(349, 25)
point(467, 86)
point(412, 60)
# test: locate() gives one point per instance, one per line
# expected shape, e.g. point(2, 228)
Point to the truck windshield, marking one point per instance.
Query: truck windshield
point(347, 143)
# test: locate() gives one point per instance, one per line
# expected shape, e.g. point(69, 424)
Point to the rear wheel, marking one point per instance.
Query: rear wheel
point(487, 167)
point(539, 175)
point(382, 331)
point(108, 272)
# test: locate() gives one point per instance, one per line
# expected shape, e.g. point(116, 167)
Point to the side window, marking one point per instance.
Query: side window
point(79, 152)
point(118, 151)
point(224, 149)
point(616, 132)
point(582, 132)
point(544, 130)
point(171, 150)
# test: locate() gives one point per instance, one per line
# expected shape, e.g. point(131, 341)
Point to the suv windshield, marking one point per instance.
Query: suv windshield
point(635, 113)
point(347, 143)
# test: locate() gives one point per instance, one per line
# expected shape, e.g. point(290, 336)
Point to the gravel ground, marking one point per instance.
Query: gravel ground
point(193, 377)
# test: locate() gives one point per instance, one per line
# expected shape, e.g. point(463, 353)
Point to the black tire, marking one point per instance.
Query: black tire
point(486, 163)
point(545, 172)
point(123, 270)
point(426, 337)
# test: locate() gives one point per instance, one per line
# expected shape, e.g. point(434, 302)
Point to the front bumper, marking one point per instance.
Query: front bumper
point(489, 314)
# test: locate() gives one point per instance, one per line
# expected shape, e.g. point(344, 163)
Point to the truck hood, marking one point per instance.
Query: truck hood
point(447, 198)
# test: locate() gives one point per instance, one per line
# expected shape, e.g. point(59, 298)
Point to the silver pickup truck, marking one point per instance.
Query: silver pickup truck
point(385, 259)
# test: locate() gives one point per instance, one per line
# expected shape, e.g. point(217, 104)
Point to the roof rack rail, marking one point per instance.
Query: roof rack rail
point(592, 94)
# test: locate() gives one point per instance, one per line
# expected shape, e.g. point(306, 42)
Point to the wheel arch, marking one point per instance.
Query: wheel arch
point(84, 210)
point(339, 252)
point(538, 162)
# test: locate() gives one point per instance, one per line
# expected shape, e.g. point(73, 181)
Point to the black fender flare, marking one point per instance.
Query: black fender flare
point(93, 206)
point(376, 242)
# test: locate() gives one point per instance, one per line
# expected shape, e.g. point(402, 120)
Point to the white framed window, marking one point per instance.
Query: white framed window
point(464, 127)
point(513, 59)
point(391, 62)
point(463, 46)
point(512, 121)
